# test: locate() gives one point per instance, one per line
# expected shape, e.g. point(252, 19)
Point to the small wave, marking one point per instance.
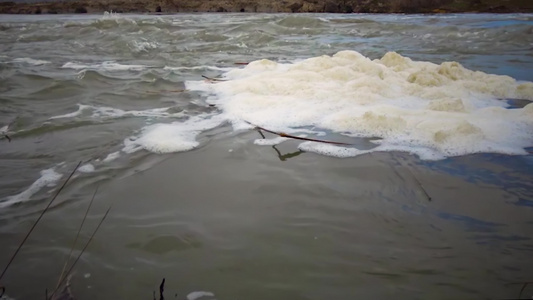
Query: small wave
point(301, 22)
point(49, 178)
point(106, 66)
point(198, 68)
point(110, 112)
point(31, 61)
point(143, 46)
point(111, 156)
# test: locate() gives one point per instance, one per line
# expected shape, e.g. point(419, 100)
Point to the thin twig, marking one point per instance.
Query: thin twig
point(419, 184)
point(213, 79)
point(261, 133)
point(241, 63)
point(82, 251)
point(77, 236)
point(281, 157)
point(525, 284)
point(282, 134)
point(38, 219)
point(412, 175)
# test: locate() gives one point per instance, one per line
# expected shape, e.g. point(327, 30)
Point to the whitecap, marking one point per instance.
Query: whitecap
point(104, 66)
point(49, 178)
point(112, 156)
point(195, 68)
point(31, 61)
point(111, 112)
point(172, 137)
point(87, 168)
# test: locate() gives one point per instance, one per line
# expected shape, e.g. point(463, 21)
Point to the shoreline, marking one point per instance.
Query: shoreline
point(276, 6)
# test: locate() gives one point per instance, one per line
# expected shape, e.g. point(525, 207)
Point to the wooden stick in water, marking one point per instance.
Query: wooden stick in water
point(213, 79)
point(282, 134)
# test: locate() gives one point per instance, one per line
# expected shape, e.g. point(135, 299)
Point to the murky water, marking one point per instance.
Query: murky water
point(200, 199)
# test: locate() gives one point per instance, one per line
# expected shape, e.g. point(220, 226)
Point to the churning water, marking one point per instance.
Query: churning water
point(436, 104)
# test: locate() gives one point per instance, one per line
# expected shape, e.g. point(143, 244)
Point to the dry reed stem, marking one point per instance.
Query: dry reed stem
point(38, 219)
point(82, 251)
point(77, 237)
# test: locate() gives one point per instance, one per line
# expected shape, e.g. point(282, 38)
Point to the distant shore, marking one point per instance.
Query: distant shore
point(274, 6)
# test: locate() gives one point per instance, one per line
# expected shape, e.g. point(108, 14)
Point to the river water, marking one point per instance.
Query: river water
point(433, 106)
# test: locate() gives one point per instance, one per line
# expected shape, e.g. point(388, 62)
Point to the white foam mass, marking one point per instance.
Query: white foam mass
point(173, 137)
point(432, 110)
point(49, 177)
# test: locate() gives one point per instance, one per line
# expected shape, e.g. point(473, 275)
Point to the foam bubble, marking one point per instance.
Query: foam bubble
point(199, 294)
point(49, 177)
point(431, 110)
point(87, 168)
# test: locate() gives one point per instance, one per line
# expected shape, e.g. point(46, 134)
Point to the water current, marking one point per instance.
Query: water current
point(431, 197)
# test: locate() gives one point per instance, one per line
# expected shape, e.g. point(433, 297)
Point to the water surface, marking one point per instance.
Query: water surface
point(198, 198)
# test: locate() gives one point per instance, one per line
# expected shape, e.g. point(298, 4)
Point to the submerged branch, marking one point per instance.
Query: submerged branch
point(282, 134)
point(39, 218)
point(213, 79)
point(419, 184)
point(413, 176)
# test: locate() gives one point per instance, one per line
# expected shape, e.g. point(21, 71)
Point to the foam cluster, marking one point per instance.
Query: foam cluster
point(433, 110)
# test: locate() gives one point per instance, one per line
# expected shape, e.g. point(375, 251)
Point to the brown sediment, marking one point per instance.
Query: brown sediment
point(275, 6)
